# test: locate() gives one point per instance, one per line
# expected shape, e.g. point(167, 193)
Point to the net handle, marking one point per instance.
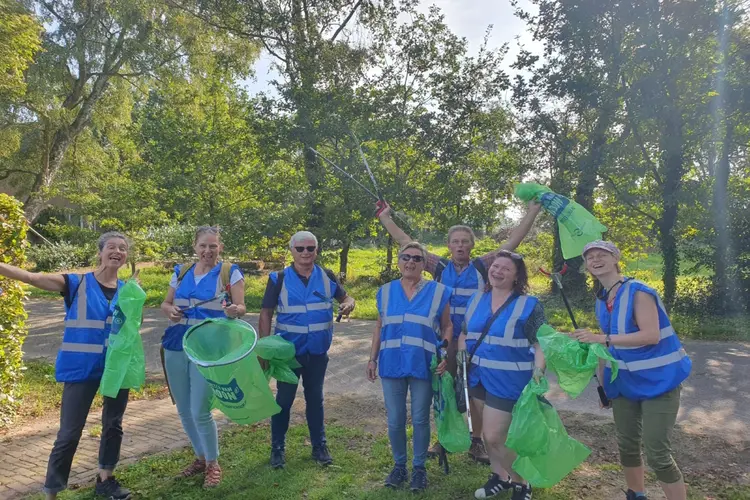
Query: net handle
point(208, 364)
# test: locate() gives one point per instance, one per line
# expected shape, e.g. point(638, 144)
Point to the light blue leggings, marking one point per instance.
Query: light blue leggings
point(192, 395)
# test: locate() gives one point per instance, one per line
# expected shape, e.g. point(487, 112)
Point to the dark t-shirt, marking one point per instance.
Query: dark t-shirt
point(69, 294)
point(273, 289)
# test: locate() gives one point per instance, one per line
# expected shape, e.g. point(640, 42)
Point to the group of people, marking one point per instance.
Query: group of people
point(479, 306)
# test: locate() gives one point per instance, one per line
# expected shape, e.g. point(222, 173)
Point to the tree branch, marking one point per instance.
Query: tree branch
point(626, 198)
point(639, 139)
point(346, 21)
point(7, 173)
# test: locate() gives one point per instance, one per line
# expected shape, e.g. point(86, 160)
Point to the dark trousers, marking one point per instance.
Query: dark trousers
point(312, 373)
point(76, 403)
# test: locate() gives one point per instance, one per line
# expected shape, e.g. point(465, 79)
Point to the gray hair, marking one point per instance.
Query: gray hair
point(111, 235)
point(201, 230)
point(466, 229)
point(301, 236)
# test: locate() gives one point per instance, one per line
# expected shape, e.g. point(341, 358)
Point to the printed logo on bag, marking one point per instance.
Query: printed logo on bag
point(118, 319)
point(228, 393)
point(560, 207)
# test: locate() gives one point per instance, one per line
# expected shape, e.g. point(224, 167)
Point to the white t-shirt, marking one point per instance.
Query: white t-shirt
point(235, 278)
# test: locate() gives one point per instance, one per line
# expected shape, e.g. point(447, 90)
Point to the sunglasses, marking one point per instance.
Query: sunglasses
point(310, 249)
point(406, 257)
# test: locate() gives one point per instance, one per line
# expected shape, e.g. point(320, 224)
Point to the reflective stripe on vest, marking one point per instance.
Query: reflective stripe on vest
point(647, 364)
point(428, 321)
point(507, 340)
point(458, 310)
point(283, 306)
point(406, 340)
point(81, 321)
point(502, 365)
point(315, 327)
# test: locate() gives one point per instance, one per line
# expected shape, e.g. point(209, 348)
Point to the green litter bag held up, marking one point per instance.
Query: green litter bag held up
point(125, 364)
point(453, 432)
point(546, 454)
point(573, 362)
point(281, 357)
point(224, 352)
point(577, 226)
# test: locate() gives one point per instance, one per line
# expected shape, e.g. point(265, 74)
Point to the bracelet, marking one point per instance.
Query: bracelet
point(607, 339)
point(374, 361)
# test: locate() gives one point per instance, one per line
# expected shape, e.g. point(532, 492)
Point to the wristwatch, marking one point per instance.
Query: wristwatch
point(606, 340)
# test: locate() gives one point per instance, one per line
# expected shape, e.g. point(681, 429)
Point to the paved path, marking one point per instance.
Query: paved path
point(716, 399)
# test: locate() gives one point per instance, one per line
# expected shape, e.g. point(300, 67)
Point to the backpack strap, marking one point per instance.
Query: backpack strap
point(479, 265)
point(183, 271)
point(439, 268)
point(226, 275)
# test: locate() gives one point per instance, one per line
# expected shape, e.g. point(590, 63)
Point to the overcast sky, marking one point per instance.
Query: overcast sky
point(466, 18)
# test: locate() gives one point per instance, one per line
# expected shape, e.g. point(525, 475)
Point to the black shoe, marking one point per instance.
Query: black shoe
point(492, 487)
point(521, 492)
point(278, 458)
point(110, 489)
point(397, 477)
point(418, 479)
point(630, 495)
point(321, 455)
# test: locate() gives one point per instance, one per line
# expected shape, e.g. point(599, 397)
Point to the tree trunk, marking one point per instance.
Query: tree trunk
point(674, 170)
point(344, 259)
point(722, 243)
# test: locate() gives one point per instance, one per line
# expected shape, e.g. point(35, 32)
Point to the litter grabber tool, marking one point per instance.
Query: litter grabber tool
point(326, 299)
point(222, 297)
point(443, 455)
point(556, 278)
point(347, 174)
point(367, 167)
point(466, 394)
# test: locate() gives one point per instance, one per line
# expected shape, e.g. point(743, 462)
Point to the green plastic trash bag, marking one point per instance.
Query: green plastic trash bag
point(573, 362)
point(546, 454)
point(577, 226)
point(224, 352)
point(452, 429)
point(281, 357)
point(125, 364)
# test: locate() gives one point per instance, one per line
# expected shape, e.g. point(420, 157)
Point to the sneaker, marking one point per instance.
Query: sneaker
point(434, 450)
point(213, 476)
point(110, 489)
point(521, 492)
point(418, 479)
point(630, 495)
point(478, 452)
point(278, 458)
point(397, 477)
point(492, 487)
point(197, 467)
point(321, 455)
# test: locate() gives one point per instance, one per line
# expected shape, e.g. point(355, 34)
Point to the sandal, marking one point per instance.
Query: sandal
point(213, 476)
point(197, 467)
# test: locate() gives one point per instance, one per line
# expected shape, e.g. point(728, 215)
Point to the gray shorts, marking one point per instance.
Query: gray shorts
point(480, 393)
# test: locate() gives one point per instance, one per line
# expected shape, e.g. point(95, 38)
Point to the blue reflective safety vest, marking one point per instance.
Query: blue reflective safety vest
point(304, 314)
point(88, 322)
point(645, 372)
point(187, 295)
point(464, 284)
point(504, 362)
point(410, 329)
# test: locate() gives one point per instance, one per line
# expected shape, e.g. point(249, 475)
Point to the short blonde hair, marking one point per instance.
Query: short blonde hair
point(417, 245)
point(465, 229)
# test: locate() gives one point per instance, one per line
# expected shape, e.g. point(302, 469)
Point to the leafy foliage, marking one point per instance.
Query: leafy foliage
point(12, 315)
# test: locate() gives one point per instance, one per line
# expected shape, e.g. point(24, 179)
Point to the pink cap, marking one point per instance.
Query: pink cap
point(607, 246)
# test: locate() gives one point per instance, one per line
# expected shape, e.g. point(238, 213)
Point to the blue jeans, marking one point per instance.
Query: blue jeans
point(394, 393)
point(312, 373)
point(192, 395)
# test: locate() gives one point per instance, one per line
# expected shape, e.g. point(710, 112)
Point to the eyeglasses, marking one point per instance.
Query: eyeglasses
point(407, 257)
point(310, 249)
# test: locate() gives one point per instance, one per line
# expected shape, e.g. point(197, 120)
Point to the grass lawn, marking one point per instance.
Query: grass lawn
point(365, 264)
point(362, 461)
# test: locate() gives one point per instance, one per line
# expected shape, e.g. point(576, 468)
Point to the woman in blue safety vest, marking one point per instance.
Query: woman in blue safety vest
point(500, 345)
point(90, 300)
point(220, 294)
point(465, 276)
point(412, 312)
point(652, 366)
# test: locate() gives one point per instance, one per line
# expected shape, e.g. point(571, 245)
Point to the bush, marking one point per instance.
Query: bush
point(12, 315)
point(62, 256)
point(61, 232)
